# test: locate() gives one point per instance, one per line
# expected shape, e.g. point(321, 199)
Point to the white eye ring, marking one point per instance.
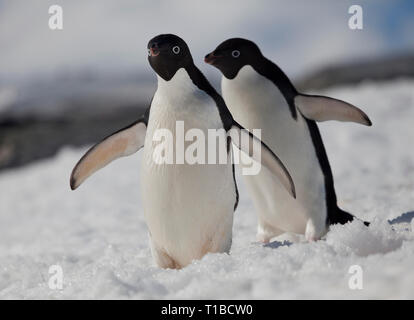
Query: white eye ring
point(176, 49)
point(235, 53)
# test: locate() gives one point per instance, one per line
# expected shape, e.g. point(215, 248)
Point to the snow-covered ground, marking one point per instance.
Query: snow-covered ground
point(98, 236)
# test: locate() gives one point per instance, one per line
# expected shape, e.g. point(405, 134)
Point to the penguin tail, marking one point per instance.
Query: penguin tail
point(343, 217)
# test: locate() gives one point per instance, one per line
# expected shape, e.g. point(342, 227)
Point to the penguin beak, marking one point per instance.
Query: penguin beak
point(210, 58)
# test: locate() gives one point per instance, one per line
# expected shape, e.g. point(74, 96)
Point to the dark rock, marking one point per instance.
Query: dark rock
point(25, 140)
point(380, 69)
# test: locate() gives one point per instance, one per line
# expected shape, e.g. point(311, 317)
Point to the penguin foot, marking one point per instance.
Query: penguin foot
point(162, 259)
point(261, 238)
point(314, 231)
point(266, 232)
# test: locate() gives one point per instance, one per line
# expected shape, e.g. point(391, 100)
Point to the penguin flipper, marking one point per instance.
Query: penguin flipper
point(320, 108)
point(119, 144)
point(247, 142)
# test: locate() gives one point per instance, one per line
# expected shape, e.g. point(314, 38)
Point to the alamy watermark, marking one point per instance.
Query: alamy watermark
point(356, 22)
point(356, 280)
point(56, 277)
point(194, 147)
point(56, 18)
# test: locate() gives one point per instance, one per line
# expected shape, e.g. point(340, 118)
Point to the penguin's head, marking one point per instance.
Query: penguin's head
point(167, 53)
point(232, 55)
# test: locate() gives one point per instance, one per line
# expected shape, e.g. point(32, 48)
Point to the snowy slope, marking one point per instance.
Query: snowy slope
point(98, 235)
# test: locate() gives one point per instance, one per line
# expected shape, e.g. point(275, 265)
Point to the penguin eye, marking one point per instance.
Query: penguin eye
point(176, 49)
point(235, 53)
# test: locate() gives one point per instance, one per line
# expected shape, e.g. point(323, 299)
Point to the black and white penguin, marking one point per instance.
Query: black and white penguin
point(260, 95)
point(188, 207)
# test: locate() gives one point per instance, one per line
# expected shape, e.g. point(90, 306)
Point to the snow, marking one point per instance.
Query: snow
point(98, 235)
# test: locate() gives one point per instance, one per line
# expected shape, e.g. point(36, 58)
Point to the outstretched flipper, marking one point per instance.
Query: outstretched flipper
point(320, 108)
point(119, 144)
point(247, 142)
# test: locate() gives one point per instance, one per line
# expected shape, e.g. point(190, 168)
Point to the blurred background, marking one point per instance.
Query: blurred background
point(76, 85)
point(63, 90)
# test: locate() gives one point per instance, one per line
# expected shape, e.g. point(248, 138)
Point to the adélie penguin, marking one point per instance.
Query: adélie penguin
point(260, 95)
point(188, 207)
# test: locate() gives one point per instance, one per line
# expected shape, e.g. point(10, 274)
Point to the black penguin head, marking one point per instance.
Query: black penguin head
point(232, 55)
point(167, 53)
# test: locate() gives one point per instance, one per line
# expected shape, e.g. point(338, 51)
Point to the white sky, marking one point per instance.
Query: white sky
point(111, 36)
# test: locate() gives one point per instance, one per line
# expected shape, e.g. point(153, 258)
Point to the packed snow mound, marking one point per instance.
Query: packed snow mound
point(98, 235)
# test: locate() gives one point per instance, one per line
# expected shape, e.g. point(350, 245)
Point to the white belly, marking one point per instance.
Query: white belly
point(256, 103)
point(188, 208)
